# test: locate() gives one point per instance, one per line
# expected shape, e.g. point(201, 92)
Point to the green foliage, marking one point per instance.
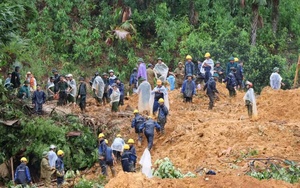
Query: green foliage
point(290, 174)
point(166, 169)
point(99, 183)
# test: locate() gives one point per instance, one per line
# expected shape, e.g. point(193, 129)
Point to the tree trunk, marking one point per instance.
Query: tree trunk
point(275, 16)
point(254, 23)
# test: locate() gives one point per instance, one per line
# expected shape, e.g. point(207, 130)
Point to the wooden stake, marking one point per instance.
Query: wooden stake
point(296, 73)
point(12, 169)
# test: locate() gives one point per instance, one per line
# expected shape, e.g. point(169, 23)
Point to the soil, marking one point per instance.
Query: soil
point(222, 139)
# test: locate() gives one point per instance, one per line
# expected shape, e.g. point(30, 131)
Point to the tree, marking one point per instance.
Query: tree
point(275, 15)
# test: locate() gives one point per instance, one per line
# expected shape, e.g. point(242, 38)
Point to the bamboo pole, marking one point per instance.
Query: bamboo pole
point(12, 169)
point(296, 73)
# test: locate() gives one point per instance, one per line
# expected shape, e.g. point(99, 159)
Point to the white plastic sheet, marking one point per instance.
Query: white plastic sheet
point(275, 80)
point(118, 144)
point(146, 163)
point(98, 85)
point(251, 97)
point(144, 91)
point(162, 70)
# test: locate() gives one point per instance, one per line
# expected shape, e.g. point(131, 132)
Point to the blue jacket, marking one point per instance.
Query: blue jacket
point(171, 80)
point(162, 113)
point(133, 78)
point(189, 68)
point(230, 80)
point(102, 148)
point(133, 152)
point(59, 165)
point(188, 89)
point(38, 97)
point(207, 73)
point(137, 121)
point(210, 86)
point(126, 161)
point(109, 155)
point(121, 88)
point(111, 79)
point(239, 72)
point(149, 126)
point(22, 174)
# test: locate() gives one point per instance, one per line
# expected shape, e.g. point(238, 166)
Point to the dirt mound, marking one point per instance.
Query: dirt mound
point(138, 180)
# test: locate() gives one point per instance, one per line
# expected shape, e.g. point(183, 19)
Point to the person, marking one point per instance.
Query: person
point(24, 92)
point(15, 78)
point(117, 146)
point(149, 126)
point(276, 79)
point(115, 98)
point(133, 81)
point(130, 142)
point(81, 95)
point(151, 75)
point(161, 69)
point(62, 86)
point(220, 71)
point(38, 99)
point(98, 88)
point(112, 77)
point(126, 161)
point(121, 88)
point(72, 90)
point(158, 92)
point(60, 169)
point(189, 67)
point(162, 115)
point(7, 82)
point(110, 159)
point(207, 68)
point(102, 153)
point(239, 74)
point(199, 75)
point(231, 82)
point(188, 89)
point(179, 75)
point(22, 174)
point(230, 64)
point(105, 98)
point(211, 90)
point(171, 81)
point(32, 81)
point(137, 121)
point(52, 157)
point(208, 62)
point(56, 77)
point(144, 92)
point(46, 170)
point(50, 89)
point(142, 72)
point(250, 100)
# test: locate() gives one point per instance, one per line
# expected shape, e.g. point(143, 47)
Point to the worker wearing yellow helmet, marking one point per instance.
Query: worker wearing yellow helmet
point(207, 66)
point(110, 159)
point(101, 152)
point(158, 92)
point(230, 64)
point(189, 67)
point(127, 159)
point(136, 122)
point(22, 173)
point(149, 127)
point(117, 146)
point(130, 142)
point(60, 171)
point(162, 115)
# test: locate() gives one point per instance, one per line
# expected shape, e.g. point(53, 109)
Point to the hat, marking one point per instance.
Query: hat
point(159, 58)
point(275, 69)
point(113, 85)
point(180, 63)
point(28, 73)
point(26, 82)
point(231, 58)
point(218, 62)
point(52, 146)
point(150, 65)
point(104, 74)
point(96, 73)
point(81, 79)
point(135, 69)
point(140, 60)
point(68, 75)
point(142, 79)
point(189, 75)
point(54, 70)
point(45, 154)
point(111, 71)
point(249, 83)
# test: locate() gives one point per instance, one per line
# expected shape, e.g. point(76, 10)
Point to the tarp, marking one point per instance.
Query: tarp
point(98, 85)
point(144, 91)
point(162, 71)
point(146, 164)
point(275, 80)
point(118, 144)
point(251, 97)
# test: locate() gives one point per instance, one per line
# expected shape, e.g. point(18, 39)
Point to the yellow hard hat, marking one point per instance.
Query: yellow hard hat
point(161, 100)
point(188, 57)
point(158, 82)
point(207, 55)
point(236, 59)
point(60, 152)
point(101, 135)
point(23, 159)
point(106, 141)
point(119, 135)
point(135, 111)
point(126, 146)
point(130, 141)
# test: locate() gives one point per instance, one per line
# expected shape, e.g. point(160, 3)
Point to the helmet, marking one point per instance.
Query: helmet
point(28, 73)
point(111, 71)
point(52, 146)
point(149, 117)
point(104, 74)
point(276, 69)
point(45, 154)
point(119, 135)
point(101, 135)
point(231, 58)
point(60, 152)
point(218, 62)
point(135, 111)
point(23, 159)
point(249, 83)
point(96, 73)
point(189, 75)
point(159, 58)
point(140, 60)
point(106, 141)
point(126, 146)
point(161, 100)
point(135, 69)
point(180, 63)
point(158, 82)
point(150, 65)
point(207, 54)
point(130, 141)
point(236, 59)
point(188, 57)
point(81, 79)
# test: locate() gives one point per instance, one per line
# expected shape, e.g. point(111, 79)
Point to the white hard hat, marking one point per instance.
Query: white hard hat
point(52, 146)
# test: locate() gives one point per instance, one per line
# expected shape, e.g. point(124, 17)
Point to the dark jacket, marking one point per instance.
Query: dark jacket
point(82, 89)
point(38, 97)
point(24, 92)
point(109, 155)
point(22, 174)
point(188, 88)
point(210, 87)
point(102, 148)
point(207, 73)
point(137, 121)
point(15, 79)
point(230, 80)
point(149, 126)
point(239, 73)
point(133, 79)
point(126, 161)
point(229, 65)
point(189, 68)
point(162, 113)
point(59, 165)
point(121, 88)
point(106, 84)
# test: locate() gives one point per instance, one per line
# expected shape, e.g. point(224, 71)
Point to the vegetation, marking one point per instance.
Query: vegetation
point(166, 169)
